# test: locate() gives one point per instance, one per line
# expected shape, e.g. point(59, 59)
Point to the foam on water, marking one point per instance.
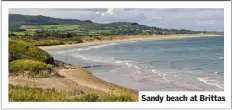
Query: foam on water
point(162, 75)
point(90, 58)
point(208, 81)
point(129, 64)
point(133, 41)
point(86, 48)
point(221, 58)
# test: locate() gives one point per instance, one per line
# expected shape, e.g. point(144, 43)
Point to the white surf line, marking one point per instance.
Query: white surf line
point(213, 82)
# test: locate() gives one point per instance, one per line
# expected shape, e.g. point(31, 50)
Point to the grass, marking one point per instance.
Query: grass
point(39, 42)
point(26, 94)
point(60, 27)
point(19, 93)
point(21, 50)
point(30, 68)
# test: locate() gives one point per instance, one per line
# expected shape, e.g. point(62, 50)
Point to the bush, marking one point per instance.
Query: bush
point(22, 50)
point(31, 68)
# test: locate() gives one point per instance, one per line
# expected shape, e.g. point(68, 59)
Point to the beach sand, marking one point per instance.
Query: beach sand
point(124, 39)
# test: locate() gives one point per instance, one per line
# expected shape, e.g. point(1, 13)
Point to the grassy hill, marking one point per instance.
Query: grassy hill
point(23, 50)
point(28, 60)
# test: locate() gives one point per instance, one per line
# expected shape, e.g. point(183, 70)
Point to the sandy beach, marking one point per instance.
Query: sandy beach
point(81, 81)
point(123, 39)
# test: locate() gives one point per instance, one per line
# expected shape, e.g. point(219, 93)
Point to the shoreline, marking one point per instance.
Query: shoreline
point(137, 38)
point(124, 39)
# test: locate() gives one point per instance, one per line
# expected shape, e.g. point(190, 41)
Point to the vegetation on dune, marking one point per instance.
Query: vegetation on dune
point(28, 60)
point(22, 50)
point(31, 68)
point(38, 42)
point(25, 94)
point(117, 98)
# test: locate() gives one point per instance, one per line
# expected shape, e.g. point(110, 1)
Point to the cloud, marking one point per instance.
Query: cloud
point(211, 19)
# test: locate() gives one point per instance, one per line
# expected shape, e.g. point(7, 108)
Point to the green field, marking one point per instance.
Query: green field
point(60, 27)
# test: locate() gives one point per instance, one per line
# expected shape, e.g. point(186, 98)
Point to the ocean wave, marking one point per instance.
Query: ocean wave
point(207, 80)
point(137, 69)
point(221, 58)
point(90, 58)
point(218, 73)
point(133, 41)
point(129, 64)
point(86, 48)
point(162, 75)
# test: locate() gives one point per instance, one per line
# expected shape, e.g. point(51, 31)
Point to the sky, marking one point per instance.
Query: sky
point(209, 19)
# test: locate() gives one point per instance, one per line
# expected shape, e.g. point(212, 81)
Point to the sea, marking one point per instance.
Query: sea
point(177, 64)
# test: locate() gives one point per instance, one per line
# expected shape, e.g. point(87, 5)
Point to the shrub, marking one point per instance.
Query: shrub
point(31, 68)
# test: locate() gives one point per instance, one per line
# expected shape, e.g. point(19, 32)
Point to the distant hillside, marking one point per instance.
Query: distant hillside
point(87, 27)
point(16, 21)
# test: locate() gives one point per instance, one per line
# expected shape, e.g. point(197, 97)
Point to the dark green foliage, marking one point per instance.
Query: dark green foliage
point(58, 34)
point(22, 50)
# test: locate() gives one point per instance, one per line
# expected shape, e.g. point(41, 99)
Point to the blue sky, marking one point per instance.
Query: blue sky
point(210, 19)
